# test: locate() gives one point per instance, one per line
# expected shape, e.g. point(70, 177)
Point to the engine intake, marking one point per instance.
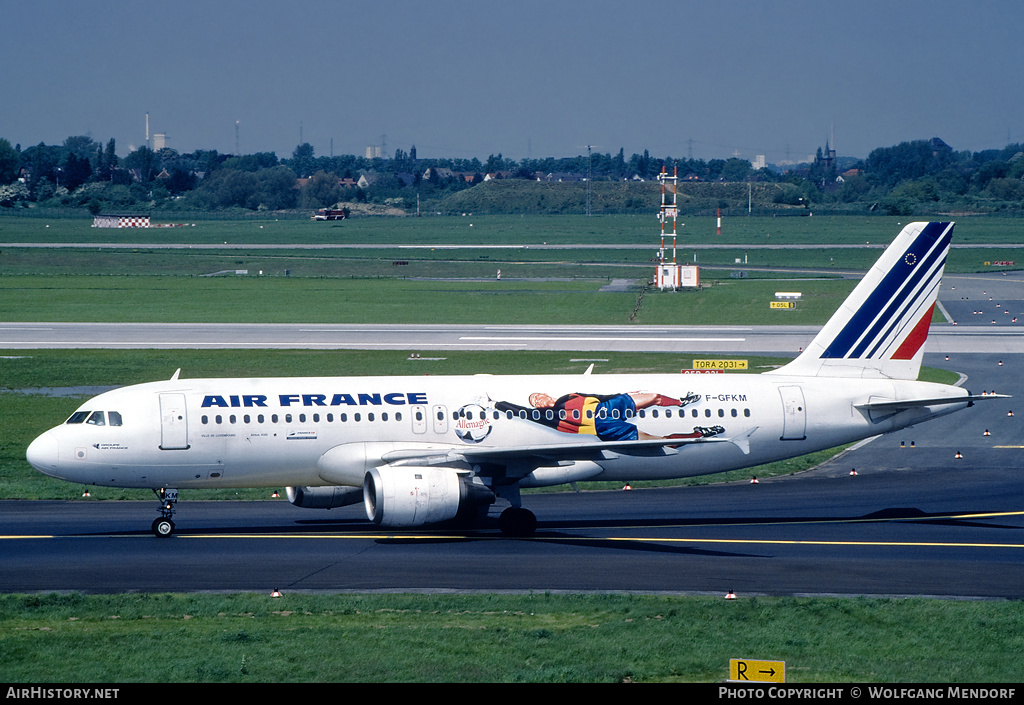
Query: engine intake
point(413, 496)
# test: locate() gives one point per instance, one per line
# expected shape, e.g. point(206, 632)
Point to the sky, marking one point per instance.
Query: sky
point(709, 79)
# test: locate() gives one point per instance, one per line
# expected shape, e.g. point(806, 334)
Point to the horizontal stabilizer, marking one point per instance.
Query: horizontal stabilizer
point(915, 403)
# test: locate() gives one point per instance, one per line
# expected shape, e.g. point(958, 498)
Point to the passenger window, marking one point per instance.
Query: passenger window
point(78, 417)
point(96, 419)
point(114, 418)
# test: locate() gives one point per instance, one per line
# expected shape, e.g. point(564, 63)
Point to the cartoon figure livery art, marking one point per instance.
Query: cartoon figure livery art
point(610, 417)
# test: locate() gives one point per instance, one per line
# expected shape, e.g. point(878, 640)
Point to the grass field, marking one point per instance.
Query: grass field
point(503, 638)
point(309, 300)
point(434, 283)
point(507, 230)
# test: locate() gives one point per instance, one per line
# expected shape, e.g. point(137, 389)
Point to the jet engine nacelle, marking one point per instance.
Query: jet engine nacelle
point(413, 496)
point(324, 497)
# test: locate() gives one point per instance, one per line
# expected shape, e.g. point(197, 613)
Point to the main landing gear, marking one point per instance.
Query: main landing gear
point(163, 526)
point(516, 521)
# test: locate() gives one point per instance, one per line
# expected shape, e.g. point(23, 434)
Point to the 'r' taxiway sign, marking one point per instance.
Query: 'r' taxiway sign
point(762, 671)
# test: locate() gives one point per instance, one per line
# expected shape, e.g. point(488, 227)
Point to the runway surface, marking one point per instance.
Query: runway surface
point(786, 340)
point(981, 324)
point(914, 520)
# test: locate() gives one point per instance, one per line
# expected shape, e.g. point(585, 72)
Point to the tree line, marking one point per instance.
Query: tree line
point(85, 173)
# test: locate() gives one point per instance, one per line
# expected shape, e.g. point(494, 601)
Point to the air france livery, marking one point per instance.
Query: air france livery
point(420, 450)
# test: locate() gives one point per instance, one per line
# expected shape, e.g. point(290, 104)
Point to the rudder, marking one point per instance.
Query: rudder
point(881, 328)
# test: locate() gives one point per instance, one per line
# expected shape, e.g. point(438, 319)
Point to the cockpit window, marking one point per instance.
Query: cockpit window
point(96, 418)
point(78, 417)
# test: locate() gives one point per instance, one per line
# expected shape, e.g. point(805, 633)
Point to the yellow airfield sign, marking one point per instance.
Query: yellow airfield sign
point(781, 304)
point(719, 364)
point(757, 671)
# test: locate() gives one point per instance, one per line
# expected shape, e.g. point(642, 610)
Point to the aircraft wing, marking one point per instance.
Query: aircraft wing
point(542, 454)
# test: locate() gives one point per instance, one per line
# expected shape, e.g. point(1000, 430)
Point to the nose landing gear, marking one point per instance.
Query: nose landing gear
point(163, 526)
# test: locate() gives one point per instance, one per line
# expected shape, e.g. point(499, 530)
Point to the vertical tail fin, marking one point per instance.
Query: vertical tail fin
point(880, 329)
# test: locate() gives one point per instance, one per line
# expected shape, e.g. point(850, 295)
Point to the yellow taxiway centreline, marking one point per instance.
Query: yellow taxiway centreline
point(645, 539)
point(623, 539)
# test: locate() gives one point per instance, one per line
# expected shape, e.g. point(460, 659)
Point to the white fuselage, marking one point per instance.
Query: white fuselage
point(273, 432)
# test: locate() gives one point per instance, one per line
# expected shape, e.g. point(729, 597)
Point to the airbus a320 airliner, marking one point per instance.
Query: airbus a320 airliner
point(421, 450)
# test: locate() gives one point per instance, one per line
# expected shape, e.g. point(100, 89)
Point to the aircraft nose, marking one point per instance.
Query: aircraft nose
point(42, 453)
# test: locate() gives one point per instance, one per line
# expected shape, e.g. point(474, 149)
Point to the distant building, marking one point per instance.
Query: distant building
point(440, 172)
point(564, 177)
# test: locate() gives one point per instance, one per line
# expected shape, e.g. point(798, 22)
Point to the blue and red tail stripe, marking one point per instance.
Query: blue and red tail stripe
point(908, 287)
